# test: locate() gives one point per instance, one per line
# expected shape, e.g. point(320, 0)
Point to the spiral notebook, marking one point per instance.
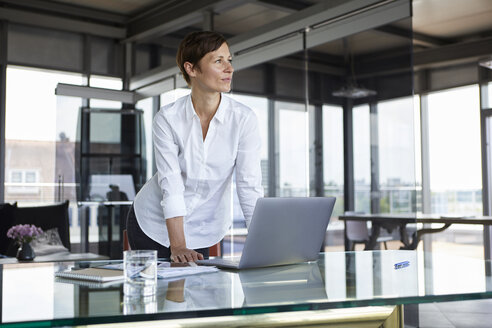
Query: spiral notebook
point(92, 274)
point(89, 284)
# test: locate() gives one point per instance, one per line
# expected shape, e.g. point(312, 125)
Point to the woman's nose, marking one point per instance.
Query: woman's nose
point(229, 67)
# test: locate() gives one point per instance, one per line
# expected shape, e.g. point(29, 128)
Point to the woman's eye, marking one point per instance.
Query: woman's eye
point(218, 61)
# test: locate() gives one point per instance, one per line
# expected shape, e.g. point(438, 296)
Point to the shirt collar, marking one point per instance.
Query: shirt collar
point(219, 114)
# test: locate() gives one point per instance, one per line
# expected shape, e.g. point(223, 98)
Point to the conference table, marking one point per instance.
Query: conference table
point(392, 221)
point(349, 289)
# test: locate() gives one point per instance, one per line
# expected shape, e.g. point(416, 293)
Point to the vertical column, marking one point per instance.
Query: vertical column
point(208, 20)
point(269, 78)
point(426, 190)
point(318, 174)
point(3, 91)
point(306, 109)
point(156, 105)
point(374, 133)
point(84, 212)
point(486, 165)
point(348, 155)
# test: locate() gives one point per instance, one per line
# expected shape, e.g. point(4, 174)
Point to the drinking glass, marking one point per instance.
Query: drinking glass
point(140, 269)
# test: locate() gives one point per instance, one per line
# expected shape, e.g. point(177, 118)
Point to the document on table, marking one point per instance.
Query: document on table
point(167, 270)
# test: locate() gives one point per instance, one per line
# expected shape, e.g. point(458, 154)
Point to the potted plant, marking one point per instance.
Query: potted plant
point(23, 234)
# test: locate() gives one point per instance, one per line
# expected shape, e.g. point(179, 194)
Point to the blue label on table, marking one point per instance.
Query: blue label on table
point(401, 265)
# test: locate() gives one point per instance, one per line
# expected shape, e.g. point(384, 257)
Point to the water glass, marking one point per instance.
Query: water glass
point(139, 305)
point(140, 269)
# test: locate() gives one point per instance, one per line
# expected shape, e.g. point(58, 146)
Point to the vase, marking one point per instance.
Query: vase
point(25, 252)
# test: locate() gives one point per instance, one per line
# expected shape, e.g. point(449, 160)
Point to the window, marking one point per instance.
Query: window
point(23, 182)
point(148, 117)
point(293, 150)
point(333, 156)
point(455, 154)
point(38, 129)
point(260, 106)
point(396, 144)
point(16, 176)
point(106, 83)
point(362, 158)
point(173, 95)
point(489, 96)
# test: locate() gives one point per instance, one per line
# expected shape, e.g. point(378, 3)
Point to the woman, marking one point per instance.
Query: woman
point(199, 141)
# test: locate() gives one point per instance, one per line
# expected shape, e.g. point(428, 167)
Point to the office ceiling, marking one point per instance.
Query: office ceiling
point(123, 7)
point(436, 23)
point(445, 21)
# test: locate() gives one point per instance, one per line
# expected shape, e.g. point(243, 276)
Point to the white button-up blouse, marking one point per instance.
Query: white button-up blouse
point(194, 176)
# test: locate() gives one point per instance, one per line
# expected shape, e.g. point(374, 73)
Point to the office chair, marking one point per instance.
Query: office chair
point(126, 243)
point(6, 219)
point(358, 233)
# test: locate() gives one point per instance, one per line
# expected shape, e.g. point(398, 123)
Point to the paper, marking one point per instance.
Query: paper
point(167, 270)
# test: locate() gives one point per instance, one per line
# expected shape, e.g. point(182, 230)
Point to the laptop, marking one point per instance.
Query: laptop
point(282, 231)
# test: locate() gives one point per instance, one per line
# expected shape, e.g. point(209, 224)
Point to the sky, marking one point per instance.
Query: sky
point(34, 112)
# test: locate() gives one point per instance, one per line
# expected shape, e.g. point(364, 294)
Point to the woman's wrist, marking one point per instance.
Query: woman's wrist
point(176, 232)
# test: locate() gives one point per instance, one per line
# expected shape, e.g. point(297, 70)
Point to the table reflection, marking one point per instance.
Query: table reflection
point(339, 279)
point(280, 285)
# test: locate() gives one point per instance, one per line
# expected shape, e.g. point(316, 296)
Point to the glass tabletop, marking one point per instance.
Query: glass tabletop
point(31, 295)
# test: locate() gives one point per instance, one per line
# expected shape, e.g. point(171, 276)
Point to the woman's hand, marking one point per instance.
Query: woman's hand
point(183, 254)
point(179, 251)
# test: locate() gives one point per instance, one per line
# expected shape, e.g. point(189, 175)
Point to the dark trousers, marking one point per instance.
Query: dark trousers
point(139, 240)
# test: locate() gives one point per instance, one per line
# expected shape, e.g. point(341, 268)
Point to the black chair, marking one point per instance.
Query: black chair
point(6, 219)
point(45, 217)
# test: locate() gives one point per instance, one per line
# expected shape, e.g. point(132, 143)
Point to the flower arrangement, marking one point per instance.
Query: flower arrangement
point(24, 233)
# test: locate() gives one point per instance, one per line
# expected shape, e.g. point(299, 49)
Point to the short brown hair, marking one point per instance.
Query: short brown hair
point(195, 46)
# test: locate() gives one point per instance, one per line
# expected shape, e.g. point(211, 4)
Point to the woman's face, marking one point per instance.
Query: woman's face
point(215, 72)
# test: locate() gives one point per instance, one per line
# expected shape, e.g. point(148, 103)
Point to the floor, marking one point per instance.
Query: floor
point(462, 314)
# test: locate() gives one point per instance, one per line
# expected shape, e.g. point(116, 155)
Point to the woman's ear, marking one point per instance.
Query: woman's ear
point(190, 70)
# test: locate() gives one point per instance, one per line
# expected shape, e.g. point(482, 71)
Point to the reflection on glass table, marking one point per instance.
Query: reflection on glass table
point(336, 280)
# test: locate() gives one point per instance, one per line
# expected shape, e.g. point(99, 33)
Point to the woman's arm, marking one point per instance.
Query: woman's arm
point(171, 183)
point(248, 167)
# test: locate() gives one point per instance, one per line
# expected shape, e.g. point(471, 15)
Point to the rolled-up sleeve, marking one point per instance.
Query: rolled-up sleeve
point(168, 170)
point(248, 167)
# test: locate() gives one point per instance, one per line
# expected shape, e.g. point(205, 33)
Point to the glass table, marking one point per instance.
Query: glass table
point(31, 296)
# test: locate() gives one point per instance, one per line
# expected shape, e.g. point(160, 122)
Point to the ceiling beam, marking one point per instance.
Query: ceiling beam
point(61, 23)
point(170, 19)
point(63, 89)
point(418, 38)
point(288, 6)
point(335, 18)
point(66, 9)
point(321, 12)
point(465, 51)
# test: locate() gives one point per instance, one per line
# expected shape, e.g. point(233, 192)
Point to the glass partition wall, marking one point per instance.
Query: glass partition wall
point(336, 119)
point(348, 99)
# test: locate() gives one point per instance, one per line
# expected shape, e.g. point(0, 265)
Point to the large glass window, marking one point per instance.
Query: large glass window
point(396, 144)
point(455, 155)
point(333, 155)
point(32, 137)
point(489, 96)
point(173, 95)
point(260, 106)
point(362, 158)
point(148, 116)
point(293, 157)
